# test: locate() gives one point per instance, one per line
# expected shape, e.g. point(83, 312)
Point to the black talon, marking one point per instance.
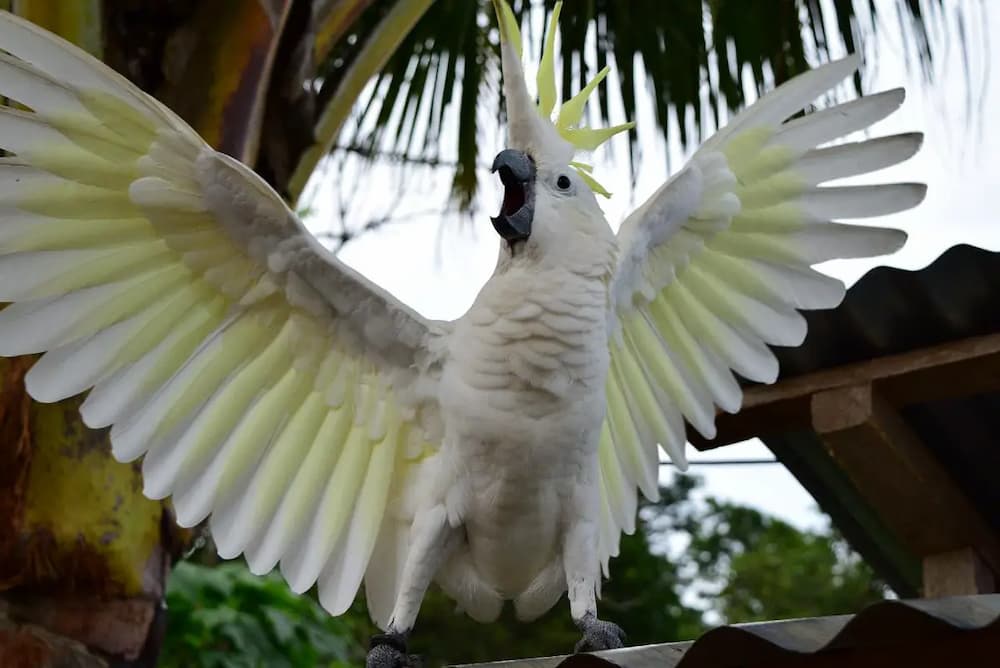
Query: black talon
point(598, 634)
point(388, 650)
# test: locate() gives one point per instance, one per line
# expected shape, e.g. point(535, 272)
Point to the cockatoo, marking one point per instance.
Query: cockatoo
point(324, 427)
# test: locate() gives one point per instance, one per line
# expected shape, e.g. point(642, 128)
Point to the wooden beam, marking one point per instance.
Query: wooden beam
point(957, 369)
point(806, 458)
point(898, 476)
point(957, 573)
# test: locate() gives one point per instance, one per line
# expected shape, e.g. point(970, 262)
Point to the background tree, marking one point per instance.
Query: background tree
point(693, 60)
point(274, 83)
point(751, 567)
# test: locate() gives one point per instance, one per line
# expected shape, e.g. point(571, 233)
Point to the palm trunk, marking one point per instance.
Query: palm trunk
point(84, 556)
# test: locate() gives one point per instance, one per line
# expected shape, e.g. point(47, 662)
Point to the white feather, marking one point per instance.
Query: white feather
point(710, 369)
point(744, 354)
point(343, 573)
point(281, 539)
point(175, 465)
point(37, 326)
point(385, 571)
point(65, 62)
point(830, 203)
point(787, 99)
point(837, 121)
point(777, 326)
point(844, 160)
point(239, 520)
point(119, 395)
point(33, 88)
point(25, 276)
point(68, 370)
point(191, 385)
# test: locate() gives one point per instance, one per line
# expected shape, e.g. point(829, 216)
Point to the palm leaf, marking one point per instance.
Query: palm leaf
point(698, 59)
point(378, 46)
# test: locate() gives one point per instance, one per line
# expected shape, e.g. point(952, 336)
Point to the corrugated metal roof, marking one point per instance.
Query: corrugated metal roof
point(879, 628)
point(891, 311)
point(888, 312)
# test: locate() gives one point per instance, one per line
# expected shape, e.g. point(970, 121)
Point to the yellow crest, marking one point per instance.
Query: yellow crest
point(570, 112)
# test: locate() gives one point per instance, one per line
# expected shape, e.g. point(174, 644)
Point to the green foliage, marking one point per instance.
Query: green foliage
point(225, 617)
point(761, 568)
point(738, 565)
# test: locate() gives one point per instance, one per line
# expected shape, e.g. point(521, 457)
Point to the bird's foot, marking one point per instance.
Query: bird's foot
point(598, 634)
point(388, 650)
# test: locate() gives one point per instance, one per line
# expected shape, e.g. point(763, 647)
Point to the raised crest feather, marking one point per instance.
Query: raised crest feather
point(564, 136)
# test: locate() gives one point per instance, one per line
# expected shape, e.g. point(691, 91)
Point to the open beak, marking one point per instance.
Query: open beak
point(517, 173)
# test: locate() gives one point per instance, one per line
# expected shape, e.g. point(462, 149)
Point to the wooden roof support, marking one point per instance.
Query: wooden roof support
point(896, 473)
point(956, 369)
point(957, 573)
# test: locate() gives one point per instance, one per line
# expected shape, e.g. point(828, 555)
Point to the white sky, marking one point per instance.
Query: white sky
point(436, 262)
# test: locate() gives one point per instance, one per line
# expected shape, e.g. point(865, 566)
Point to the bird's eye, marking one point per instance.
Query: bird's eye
point(563, 182)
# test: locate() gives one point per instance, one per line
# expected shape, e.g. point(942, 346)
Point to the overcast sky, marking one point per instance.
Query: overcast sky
point(436, 262)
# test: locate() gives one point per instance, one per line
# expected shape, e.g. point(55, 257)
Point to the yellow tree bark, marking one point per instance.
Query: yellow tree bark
point(84, 556)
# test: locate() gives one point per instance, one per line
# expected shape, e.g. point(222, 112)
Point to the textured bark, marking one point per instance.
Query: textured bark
point(25, 645)
point(84, 556)
point(82, 552)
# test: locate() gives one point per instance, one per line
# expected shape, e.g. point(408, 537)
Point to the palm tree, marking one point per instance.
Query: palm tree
point(279, 84)
point(694, 60)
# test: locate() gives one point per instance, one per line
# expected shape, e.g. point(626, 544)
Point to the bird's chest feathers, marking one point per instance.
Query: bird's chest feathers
point(538, 333)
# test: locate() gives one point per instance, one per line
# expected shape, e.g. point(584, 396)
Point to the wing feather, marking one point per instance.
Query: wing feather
point(344, 572)
point(284, 535)
point(129, 388)
point(241, 519)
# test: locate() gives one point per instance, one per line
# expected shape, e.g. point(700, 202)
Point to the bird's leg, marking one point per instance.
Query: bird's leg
point(598, 634)
point(583, 575)
point(431, 540)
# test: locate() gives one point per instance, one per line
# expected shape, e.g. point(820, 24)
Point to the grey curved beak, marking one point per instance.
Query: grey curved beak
point(517, 173)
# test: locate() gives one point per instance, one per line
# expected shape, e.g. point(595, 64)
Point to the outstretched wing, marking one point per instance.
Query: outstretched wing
point(716, 265)
point(265, 382)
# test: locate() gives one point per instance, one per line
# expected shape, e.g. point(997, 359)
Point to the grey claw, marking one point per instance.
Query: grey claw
point(598, 635)
point(388, 650)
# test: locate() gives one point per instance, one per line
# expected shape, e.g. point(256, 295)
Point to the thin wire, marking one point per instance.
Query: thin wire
point(725, 462)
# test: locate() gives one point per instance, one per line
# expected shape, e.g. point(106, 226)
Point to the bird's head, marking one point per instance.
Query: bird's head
point(549, 196)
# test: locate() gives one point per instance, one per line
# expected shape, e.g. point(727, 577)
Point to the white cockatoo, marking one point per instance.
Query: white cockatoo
point(325, 428)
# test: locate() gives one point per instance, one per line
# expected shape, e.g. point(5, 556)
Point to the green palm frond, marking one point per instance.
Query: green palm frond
point(698, 59)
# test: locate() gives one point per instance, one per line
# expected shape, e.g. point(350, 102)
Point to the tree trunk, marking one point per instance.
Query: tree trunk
point(84, 556)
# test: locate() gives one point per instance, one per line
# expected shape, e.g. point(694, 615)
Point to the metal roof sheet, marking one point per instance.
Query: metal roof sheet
point(892, 311)
point(879, 628)
point(888, 312)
